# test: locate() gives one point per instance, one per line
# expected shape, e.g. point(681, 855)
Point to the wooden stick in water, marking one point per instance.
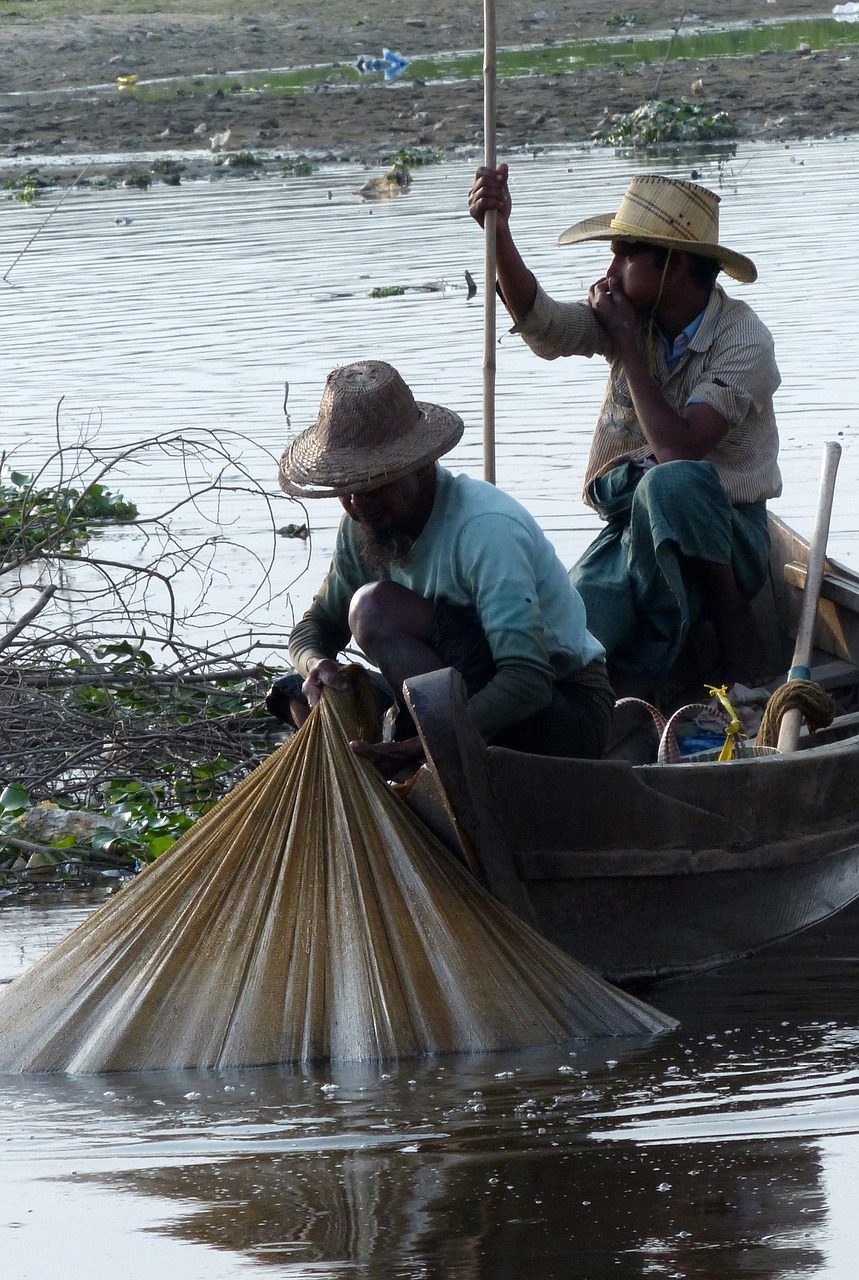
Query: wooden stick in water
point(788, 736)
point(489, 258)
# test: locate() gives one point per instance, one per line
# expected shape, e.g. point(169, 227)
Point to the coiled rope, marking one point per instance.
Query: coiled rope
point(815, 704)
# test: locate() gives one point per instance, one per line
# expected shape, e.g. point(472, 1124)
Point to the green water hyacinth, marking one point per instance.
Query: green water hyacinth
point(657, 122)
point(33, 517)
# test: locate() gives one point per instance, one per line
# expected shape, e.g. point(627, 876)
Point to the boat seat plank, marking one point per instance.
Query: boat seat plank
point(842, 733)
point(836, 587)
point(835, 675)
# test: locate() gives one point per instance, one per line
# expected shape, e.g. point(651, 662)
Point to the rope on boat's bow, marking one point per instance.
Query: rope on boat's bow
point(810, 699)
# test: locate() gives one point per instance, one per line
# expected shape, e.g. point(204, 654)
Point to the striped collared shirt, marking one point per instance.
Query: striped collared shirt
point(677, 349)
point(729, 364)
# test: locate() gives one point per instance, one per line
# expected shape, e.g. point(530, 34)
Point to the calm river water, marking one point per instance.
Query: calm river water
point(188, 308)
point(728, 1149)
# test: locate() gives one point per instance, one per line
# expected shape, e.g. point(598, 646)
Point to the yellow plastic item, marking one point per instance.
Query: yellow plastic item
point(309, 915)
point(734, 728)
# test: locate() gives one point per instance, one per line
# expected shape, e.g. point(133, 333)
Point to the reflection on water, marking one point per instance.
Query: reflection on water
point(29, 925)
point(729, 1149)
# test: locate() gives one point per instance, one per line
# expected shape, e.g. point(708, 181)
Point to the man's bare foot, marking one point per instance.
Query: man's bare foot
point(391, 758)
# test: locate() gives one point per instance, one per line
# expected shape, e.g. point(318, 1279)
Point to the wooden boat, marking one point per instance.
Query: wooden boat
point(645, 871)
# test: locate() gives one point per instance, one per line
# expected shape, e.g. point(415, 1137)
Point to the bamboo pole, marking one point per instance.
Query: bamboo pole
point(788, 735)
point(489, 259)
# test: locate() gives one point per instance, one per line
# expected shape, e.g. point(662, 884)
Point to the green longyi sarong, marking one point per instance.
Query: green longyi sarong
point(639, 605)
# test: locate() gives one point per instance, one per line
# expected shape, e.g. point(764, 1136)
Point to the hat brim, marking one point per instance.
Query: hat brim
point(734, 264)
point(307, 471)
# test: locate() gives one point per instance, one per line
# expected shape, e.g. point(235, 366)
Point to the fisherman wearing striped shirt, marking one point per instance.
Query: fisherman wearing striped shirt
point(684, 455)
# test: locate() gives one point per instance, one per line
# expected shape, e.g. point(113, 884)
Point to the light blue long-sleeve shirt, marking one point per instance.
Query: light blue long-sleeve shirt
point(479, 549)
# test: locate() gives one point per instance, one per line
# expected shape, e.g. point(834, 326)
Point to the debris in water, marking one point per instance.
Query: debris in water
point(393, 64)
point(393, 183)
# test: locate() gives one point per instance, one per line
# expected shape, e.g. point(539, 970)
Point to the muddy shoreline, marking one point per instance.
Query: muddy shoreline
point(49, 110)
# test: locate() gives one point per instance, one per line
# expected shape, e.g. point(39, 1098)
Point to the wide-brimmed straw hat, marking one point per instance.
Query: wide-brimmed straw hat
point(369, 431)
point(669, 213)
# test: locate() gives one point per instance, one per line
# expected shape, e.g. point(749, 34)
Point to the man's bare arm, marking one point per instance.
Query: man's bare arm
point(672, 436)
point(518, 285)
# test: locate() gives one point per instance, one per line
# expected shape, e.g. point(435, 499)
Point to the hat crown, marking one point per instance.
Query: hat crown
point(369, 431)
point(669, 208)
point(364, 406)
point(669, 213)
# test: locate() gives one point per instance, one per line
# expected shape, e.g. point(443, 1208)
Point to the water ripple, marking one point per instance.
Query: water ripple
point(188, 307)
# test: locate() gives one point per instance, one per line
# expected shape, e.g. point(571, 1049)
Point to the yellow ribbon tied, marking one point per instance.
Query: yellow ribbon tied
point(734, 728)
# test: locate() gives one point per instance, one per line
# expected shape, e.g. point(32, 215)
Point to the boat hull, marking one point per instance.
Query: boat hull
point(648, 871)
point(645, 873)
point(639, 929)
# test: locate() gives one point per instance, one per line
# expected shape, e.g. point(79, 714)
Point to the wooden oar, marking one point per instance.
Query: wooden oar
point(788, 735)
point(489, 261)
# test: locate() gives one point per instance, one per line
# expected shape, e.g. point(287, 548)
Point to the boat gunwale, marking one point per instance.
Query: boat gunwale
point(683, 861)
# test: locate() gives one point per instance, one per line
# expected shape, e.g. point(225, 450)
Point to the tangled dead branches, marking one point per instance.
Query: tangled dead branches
point(125, 686)
point(191, 733)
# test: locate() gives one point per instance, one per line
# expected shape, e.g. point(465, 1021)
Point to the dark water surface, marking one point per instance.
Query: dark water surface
point(728, 1149)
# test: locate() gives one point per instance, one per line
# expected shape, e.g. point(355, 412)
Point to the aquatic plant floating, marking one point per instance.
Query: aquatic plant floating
point(657, 122)
point(395, 181)
point(310, 915)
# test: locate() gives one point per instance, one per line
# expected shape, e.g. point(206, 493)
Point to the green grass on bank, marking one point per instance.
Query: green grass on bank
point(546, 60)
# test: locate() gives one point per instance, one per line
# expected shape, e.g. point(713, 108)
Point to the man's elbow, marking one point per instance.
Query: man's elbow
point(535, 686)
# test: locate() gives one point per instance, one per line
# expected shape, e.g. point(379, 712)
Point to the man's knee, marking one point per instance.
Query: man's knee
point(368, 602)
point(662, 482)
point(379, 610)
point(685, 504)
point(369, 611)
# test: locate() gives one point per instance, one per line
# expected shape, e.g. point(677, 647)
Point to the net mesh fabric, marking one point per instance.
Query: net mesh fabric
point(309, 915)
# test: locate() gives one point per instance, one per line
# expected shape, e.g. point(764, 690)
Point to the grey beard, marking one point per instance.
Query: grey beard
point(380, 551)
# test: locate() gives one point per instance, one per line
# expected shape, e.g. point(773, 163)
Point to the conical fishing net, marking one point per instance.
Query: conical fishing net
point(309, 915)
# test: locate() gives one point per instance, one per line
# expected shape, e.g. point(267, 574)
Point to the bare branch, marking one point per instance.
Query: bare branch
point(26, 618)
point(124, 669)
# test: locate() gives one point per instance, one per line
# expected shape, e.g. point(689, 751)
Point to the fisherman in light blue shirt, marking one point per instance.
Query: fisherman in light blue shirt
point(433, 569)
